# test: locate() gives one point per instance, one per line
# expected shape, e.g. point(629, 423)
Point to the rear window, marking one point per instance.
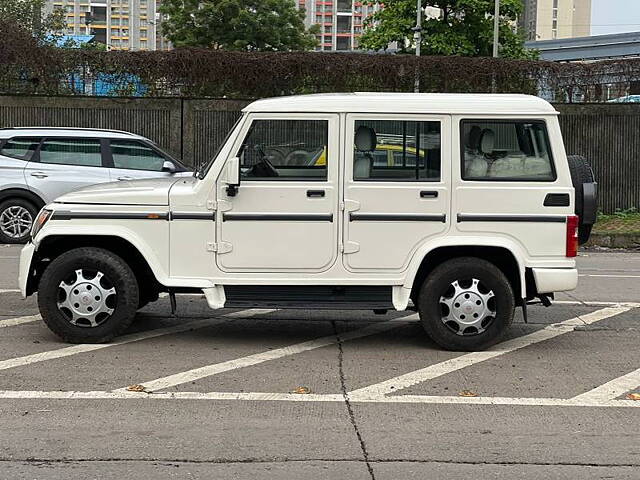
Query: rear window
point(506, 150)
point(20, 148)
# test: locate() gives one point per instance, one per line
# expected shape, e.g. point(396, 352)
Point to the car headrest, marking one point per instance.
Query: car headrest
point(365, 139)
point(473, 138)
point(487, 141)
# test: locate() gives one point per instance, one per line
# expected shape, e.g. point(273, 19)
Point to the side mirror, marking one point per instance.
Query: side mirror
point(168, 167)
point(231, 176)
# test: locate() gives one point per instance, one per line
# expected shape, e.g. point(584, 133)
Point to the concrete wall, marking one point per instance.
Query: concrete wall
point(192, 129)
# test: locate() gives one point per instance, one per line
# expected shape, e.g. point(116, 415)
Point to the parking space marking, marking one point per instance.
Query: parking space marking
point(10, 322)
point(9, 290)
point(610, 276)
point(443, 368)
point(84, 348)
point(290, 397)
point(257, 358)
point(613, 389)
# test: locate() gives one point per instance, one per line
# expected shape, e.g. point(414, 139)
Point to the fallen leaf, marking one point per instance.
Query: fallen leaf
point(135, 388)
point(302, 390)
point(467, 393)
point(633, 396)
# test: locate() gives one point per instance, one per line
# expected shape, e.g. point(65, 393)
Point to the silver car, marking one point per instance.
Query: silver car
point(39, 164)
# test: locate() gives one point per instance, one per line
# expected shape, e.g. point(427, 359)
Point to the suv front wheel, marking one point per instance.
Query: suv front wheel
point(88, 295)
point(16, 219)
point(466, 304)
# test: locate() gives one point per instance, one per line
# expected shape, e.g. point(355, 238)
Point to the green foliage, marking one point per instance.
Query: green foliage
point(465, 28)
point(245, 25)
point(30, 16)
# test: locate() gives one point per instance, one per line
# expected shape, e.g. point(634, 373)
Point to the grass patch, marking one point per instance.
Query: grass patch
point(622, 221)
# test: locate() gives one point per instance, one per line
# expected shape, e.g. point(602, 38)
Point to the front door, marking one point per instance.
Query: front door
point(397, 188)
point(284, 215)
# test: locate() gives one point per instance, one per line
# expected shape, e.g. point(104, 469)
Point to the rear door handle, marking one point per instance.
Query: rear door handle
point(124, 178)
point(428, 194)
point(39, 174)
point(315, 193)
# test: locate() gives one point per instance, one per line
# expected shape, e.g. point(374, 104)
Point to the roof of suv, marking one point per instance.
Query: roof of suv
point(65, 132)
point(442, 103)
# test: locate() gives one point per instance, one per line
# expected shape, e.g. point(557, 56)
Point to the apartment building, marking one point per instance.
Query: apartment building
point(119, 24)
point(555, 19)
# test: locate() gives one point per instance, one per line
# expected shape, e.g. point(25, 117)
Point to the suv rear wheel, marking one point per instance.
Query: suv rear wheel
point(466, 304)
point(16, 218)
point(88, 295)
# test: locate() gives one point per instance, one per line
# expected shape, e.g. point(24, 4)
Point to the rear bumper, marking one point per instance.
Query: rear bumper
point(26, 256)
point(549, 280)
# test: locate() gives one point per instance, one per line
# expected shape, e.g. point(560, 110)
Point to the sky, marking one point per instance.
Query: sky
point(615, 16)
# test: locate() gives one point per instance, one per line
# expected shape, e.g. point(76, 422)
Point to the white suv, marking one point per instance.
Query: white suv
point(459, 206)
point(37, 165)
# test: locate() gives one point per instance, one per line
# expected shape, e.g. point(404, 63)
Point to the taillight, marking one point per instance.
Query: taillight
point(572, 235)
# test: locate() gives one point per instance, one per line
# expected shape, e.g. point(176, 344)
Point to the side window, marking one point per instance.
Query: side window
point(285, 150)
point(513, 150)
point(396, 150)
point(135, 156)
point(63, 151)
point(20, 148)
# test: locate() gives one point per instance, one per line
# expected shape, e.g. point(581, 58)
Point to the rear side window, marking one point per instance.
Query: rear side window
point(396, 150)
point(135, 156)
point(63, 151)
point(20, 148)
point(510, 150)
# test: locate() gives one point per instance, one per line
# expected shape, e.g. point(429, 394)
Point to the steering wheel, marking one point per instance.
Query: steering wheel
point(264, 168)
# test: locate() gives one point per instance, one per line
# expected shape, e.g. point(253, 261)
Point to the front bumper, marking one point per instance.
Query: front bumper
point(550, 280)
point(26, 256)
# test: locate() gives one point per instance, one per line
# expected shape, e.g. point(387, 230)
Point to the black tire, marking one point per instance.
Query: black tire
point(581, 173)
point(119, 276)
point(439, 282)
point(25, 205)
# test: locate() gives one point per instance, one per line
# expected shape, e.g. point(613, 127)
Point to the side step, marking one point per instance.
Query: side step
point(320, 297)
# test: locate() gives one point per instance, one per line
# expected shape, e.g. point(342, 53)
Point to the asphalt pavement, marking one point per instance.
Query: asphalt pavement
point(279, 394)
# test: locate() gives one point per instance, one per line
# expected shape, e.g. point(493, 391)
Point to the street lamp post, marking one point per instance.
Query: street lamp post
point(418, 39)
point(496, 30)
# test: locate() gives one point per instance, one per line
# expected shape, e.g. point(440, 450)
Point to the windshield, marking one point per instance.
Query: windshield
point(202, 171)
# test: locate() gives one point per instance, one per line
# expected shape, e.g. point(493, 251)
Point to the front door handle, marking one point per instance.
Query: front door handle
point(315, 193)
point(428, 194)
point(39, 174)
point(125, 178)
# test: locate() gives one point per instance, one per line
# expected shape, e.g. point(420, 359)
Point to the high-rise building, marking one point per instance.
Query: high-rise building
point(551, 19)
point(119, 24)
point(340, 21)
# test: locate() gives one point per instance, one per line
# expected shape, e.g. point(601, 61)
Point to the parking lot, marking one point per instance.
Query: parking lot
point(339, 394)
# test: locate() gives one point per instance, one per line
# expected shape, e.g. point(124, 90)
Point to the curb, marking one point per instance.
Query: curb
point(614, 240)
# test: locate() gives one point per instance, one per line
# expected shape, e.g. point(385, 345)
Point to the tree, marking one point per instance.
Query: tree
point(464, 28)
point(30, 15)
point(248, 25)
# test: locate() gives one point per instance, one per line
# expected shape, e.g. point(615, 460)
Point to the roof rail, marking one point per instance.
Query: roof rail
point(70, 128)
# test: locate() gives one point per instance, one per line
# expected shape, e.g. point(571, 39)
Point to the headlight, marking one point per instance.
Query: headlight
point(42, 218)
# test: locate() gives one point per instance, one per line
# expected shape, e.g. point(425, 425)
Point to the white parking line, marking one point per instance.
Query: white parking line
point(610, 276)
point(9, 290)
point(290, 397)
point(255, 359)
point(439, 369)
point(10, 322)
point(613, 389)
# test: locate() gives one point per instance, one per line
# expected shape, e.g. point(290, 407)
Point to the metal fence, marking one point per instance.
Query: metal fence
point(192, 129)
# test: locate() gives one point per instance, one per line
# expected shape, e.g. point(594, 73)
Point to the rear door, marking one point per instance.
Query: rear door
point(62, 165)
point(284, 214)
point(14, 155)
point(507, 184)
point(397, 188)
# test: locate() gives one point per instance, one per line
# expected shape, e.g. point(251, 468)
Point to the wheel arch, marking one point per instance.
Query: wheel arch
point(24, 194)
point(502, 256)
point(147, 272)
